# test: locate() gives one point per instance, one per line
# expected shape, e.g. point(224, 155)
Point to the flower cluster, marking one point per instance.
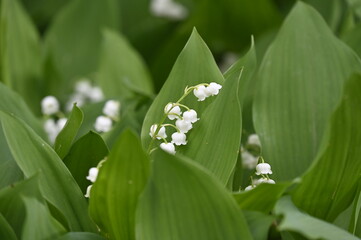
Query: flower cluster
point(263, 170)
point(183, 120)
point(55, 121)
point(168, 9)
point(92, 176)
point(104, 122)
point(251, 152)
point(84, 92)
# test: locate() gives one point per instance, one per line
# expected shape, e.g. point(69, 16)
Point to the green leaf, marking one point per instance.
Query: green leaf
point(80, 236)
point(86, 153)
point(310, 227)
point(68, 133)
point(74, 38)
point(355, 223)
point(20, 53)
point(183, 201)
point(330, 185)
point(122, 71)
point(6, 232)
point(262, 198)
point(194, 65)
point(353, 38)
point(301, 79)
point(57, 185)
point(259, 224)
point(39, 224)
point(115, 193)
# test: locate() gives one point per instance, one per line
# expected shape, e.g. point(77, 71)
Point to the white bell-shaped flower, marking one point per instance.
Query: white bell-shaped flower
point(61, 123)
point(49, 105)
point(111, 108)
point(77, 98)
point(212, 89)
point(248, 160)
point(173, 112)
point(265, 180)
point(168, 147)
point(88, 189)
point(253, 139)
point(263, 168)
point(179, 138)
point(83, 87)
point(93, 174)
point(51, 129)
point(200, 93)
point(161, 133)
point(168, 9)
point(190, 116)
point(96, 94)
point(183, 126)
point(103, 124)
point(250, 187)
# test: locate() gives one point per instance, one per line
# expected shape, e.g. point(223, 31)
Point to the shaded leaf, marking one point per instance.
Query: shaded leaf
point(68, 133)
point(298, 92)
point(57, 185)
point(85, 153)
point(6, 232)
point(259, 224)
point(330, 185)
point(183, 201)
point(115, 193)
point(80, 236)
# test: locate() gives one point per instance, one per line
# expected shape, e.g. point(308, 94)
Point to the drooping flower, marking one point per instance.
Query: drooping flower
point(248, 160)
point(103, 124)
point(161, 133)
point(96, 94)
point(183, 125)
point(190, 116)
point(200, 93)
point(168, 147)
point(263, 168)
point(111, 109)
point(179, 138)
point(212, 89)
point(168, 9)
point(250, 187)
point(93, 174)
point(49, 105)
point(253, 139)
point(263, 180)
point(173, 112)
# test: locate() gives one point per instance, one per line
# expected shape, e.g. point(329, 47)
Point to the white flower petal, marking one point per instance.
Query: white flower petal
point(200, 93)
point(173, 112)
point(213, 89)
point(248, 160)
point(161, 133)
point(49, 105)
point(111, 108)
point(190, 116)
point(93, 174)
point(179, 138)
point(253, 139)
point(88, 189)
point(168, 147)
point(263, 168)
point(183, 125)
point(103, 124)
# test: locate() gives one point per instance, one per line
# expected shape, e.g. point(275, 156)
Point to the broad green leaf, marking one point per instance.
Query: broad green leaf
point(353, 38)
point(310, 227)
point(355, 223)
point(11, 205)
point(68, 133)
point(85, 153)
point(259, 224)
point(74, 38)
point(122, 72)
point(183, 201)
point(114, 195)
point(262, 198)
point(6, 232)
point(80, 236)
point(57, 185)
point(20, 53)
point(39, 224)
point(223, 116)
point(194, 65)
point(330, 185)
point(301, 76)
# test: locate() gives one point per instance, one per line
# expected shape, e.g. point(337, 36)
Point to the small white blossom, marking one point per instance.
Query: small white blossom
point(250, 187)
point(248, 160)
point(161, 133)
point(212, 89)
point(168, 9)
point(190, 116)
point(49, 105)
point(87, 194)
point(200, 93)
point(111, 108)
point(183, 125)
point(168, 147)
point(172, 112)
point(103, 124)
point(83, 87)
point(264, 180)
point(179, 138)
point(61, 123)
point(253, 139)
point(51, 129)
point(77, 98)
point(96, 94)
point(93, 174)
point(263, 168)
